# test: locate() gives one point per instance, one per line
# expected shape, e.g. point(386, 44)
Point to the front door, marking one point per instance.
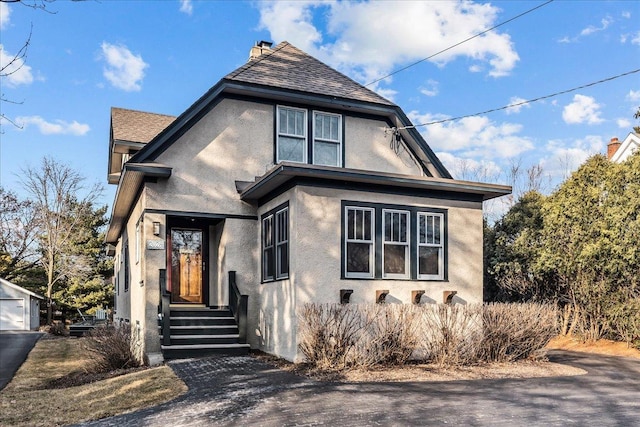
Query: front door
point(188, 273)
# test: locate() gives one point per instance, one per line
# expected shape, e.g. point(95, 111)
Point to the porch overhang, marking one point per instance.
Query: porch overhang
point(286, 174)
point(131, 179)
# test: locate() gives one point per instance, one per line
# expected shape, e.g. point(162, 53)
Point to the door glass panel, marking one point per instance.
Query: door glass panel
point(186, 265)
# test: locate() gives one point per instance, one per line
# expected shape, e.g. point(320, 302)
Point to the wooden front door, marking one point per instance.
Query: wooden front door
point(187, 265)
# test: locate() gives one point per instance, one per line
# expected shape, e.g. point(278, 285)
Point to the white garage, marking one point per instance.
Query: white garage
point(19, 308)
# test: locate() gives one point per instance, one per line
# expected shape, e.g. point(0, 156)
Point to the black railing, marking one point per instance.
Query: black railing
point(238, 304)
point(164, 309)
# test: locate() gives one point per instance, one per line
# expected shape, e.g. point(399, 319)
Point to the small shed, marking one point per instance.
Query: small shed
point(19, 308)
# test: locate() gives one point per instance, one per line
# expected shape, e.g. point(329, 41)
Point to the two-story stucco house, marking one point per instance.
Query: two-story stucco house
point(287, 183)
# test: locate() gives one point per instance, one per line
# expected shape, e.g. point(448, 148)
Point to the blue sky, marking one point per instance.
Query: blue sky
point(160, 56)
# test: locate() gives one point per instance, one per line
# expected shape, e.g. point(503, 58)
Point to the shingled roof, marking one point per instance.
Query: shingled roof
point(137, 126)
point(288, 67)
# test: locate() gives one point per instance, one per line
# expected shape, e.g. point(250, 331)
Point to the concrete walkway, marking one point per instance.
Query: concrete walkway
point(245, 391)
point(14, 349)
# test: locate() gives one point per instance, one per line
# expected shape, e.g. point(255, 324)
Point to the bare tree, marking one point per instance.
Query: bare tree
point(62, 202)
point(18, 232)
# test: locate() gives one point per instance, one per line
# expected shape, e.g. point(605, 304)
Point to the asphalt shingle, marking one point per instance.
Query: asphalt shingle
point(287, 67)
point(137, 126)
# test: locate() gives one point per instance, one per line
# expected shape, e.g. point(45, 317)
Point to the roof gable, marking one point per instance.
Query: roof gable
point(630, 145)
point(287, 67)
point(19, 288)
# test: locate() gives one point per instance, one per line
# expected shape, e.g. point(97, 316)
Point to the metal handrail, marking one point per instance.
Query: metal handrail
point(238, 304)
point(165, 309)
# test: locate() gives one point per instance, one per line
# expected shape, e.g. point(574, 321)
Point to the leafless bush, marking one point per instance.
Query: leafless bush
point(110, 347)
point(334, 336)
point(56, 328)
point(516, 331)
point(451, 333)
point(390, 336)
point(328, 334)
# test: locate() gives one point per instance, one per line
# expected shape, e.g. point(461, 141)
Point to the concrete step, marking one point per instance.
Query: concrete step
point(201, 350)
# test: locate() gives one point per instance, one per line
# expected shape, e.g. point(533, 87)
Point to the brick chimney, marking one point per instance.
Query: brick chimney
point(260, 48)
point(612, 147)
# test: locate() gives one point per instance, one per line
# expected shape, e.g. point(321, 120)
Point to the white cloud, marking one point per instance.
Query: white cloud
point(473, 137)
point(633, 95)
point(430, 88)
point(604, 24)
point(5, 14)
point(58, 127)
point(123, 69)
point(591, 29)
point(16, 71)
point(583, 109)
point(186, 7)
point(370, 39)
point(623, 123)
point(515, 109)
point(566, 156)
point(636, 38)
point(468, 169)
point(626, 14)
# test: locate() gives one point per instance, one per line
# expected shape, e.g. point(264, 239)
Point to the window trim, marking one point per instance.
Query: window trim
point(440, 275)
point(407, 245)
point(372, 243)
point(305, 137)
point(338, 142)
point(378, 242)
point(271, 215)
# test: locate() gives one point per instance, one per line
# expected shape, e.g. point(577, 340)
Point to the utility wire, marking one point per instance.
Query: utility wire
point(517, 104)
point(458, 44)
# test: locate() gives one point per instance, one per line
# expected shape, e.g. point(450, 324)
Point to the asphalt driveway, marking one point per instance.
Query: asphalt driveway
point(245, 391)
point(14, 349)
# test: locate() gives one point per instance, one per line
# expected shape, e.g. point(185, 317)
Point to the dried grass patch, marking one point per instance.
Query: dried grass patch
point(602, 346)
point(28, 401)
point(423, 372)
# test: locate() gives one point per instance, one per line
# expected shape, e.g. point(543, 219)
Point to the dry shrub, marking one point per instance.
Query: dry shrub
point(338, 337)
point(328, 334)
point(390, 335)
point(516, 331)
point(110, 346)
point(451, 334)
point(56, 328)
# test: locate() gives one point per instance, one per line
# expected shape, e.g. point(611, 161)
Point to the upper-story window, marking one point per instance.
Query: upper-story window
point(292, 141)
point(327, 139)
point(292, 135)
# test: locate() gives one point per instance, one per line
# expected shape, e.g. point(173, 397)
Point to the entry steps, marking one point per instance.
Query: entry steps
point(201, 331)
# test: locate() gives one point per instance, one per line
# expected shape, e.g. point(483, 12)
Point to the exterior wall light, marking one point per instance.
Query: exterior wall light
point(156, 228)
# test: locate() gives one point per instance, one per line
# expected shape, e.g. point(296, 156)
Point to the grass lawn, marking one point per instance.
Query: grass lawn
point(28, 401)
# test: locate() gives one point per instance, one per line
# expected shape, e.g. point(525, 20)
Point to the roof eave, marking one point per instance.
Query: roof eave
point(285, 172)
point(131, 179)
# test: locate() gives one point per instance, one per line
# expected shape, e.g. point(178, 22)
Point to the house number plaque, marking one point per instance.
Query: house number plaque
point(155, 245)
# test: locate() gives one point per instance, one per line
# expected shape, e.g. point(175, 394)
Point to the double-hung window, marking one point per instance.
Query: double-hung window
point(327, 139)
point(395, 224)
point(359, 237)
point(275, 244)
point(384, 241)
point(430, 246)
point(292, 135)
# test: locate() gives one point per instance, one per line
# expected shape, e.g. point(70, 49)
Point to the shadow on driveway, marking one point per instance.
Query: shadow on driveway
point(245, 391)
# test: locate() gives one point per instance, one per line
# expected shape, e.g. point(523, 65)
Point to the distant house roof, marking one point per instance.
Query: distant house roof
point(137, 126)
point(287, 67)
point(627, 147)
point(19, 288)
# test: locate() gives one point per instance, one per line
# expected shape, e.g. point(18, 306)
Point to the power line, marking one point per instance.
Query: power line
point(459, 43)
point(517, 104)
